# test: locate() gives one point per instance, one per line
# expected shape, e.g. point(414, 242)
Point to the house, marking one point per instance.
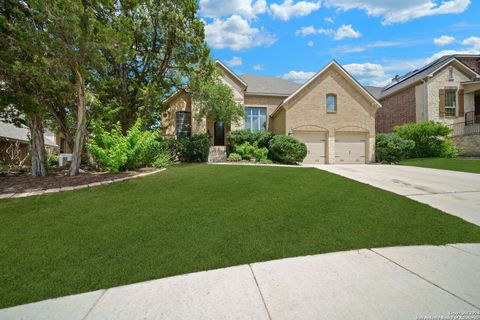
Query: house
point(446, 90)
point(14, 144)
point(331, 113)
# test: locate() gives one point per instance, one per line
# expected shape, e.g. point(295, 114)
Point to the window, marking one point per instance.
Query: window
point(256, 119)
point(450, 73)
point(183, 124)
point(450, 103)
point(331, 103)
point(62, 145)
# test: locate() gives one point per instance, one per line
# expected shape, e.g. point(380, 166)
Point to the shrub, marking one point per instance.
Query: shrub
point(194, 148)
point(234, 157)
point(238, 137)
point(110, 149)
point(449, 150)
point(116, 152)
point(392, 148)
point(248, 151)
point(430, 138)
point(162, 160)
point(285, 149)
point(143, 146)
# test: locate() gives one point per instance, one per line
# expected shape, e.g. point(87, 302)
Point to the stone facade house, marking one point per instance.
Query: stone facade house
point(331, 113)
point(446, 90)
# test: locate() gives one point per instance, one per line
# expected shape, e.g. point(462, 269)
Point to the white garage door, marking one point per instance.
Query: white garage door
point(350, 147)
point(315, 142)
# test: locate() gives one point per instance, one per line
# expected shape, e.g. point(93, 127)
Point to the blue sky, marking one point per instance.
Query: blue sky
point(373, 39)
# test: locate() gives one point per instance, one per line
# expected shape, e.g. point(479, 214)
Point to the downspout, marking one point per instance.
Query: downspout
point(425, 97)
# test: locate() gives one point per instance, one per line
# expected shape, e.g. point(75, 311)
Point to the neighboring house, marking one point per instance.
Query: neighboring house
point(446, 90)
point(332, 113)
point(14, 144)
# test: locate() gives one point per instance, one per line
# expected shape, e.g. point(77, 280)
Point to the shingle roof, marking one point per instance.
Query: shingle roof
point(376, 92)
point(417, 74)
point(270, 85)
point(10, 131)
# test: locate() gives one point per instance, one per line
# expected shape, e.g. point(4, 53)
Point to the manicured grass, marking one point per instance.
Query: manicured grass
point(456, 164)
point(199, 217)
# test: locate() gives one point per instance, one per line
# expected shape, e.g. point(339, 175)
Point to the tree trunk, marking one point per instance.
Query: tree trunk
point(37, 146)
point(81, 133)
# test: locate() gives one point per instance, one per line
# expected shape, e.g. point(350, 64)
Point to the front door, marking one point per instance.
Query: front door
point(219, 133)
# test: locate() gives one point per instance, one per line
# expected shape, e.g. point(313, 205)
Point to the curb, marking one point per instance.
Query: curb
point(83, 186)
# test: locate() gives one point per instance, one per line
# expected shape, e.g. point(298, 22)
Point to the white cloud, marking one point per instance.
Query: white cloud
point(329, 19)
point(345, 31)
point(289, 9)
point(258, 67)
point(443, 40)
point(310, 43)
point(236, 33)
point(369, 73)
point(372, 45)
point(234, 62)
point(298, 76)
point(472, 41)
point(401, 11)
point(305, 31)
point(244, 8)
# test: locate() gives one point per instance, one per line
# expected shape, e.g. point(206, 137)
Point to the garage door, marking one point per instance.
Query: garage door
point(350, 147)
point(315, 142)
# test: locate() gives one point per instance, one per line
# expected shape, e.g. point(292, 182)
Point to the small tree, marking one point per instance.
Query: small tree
point(214, 100)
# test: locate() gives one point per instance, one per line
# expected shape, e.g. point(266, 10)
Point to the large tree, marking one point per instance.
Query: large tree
point(25, 87)
point(162, 47)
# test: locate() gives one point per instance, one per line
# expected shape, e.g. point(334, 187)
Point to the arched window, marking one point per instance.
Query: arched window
point(331, 103)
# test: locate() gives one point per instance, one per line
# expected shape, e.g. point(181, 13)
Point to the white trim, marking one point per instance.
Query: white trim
point(332, 63)
point(232, 73)
point(450, 61)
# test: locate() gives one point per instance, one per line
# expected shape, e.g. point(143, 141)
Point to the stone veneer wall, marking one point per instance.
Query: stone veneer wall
point(469, 146)
point(397, 109)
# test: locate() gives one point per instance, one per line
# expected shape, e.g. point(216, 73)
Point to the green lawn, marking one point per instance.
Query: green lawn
point(199, 217)
point(456, 164)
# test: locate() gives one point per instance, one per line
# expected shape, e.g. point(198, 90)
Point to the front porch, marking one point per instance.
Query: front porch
point(470, 124)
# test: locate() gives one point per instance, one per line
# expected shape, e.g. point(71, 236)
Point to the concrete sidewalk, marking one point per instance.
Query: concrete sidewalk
point(457, 193)
point(388, 283)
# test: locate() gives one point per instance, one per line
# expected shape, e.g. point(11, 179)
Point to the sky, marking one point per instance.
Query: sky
point(373, 39)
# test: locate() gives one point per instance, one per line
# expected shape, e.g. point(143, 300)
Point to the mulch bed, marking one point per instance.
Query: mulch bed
point(24, 182)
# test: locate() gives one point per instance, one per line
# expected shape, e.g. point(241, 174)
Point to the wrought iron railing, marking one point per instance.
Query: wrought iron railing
point(471, 118)
point(470, 126)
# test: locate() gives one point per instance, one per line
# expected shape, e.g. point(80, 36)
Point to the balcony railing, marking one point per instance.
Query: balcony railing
point(470, 126)
point(471, 118)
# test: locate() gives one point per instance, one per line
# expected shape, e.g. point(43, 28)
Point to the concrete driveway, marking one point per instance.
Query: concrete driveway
point(457, 193)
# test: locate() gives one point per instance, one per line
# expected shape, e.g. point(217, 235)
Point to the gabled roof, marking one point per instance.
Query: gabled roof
point(417, 75)
point(12, 132)
point(333, 64)
point(269, 85)
point(233, 74)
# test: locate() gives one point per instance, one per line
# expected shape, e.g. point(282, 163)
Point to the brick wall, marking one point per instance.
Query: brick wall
point(396, 110)
point(473, 63)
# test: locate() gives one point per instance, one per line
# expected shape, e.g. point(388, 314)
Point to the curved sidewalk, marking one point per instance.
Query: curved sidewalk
point(416, 282)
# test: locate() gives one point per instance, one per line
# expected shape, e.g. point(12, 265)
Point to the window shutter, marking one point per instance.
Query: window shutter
point(461, 110)
point(441, 106)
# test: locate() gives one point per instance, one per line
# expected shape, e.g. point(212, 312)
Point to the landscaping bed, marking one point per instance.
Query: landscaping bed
point(200, 217)
point(24, 182)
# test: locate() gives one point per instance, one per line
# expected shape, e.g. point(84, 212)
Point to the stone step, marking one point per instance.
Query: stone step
point(217, 154)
